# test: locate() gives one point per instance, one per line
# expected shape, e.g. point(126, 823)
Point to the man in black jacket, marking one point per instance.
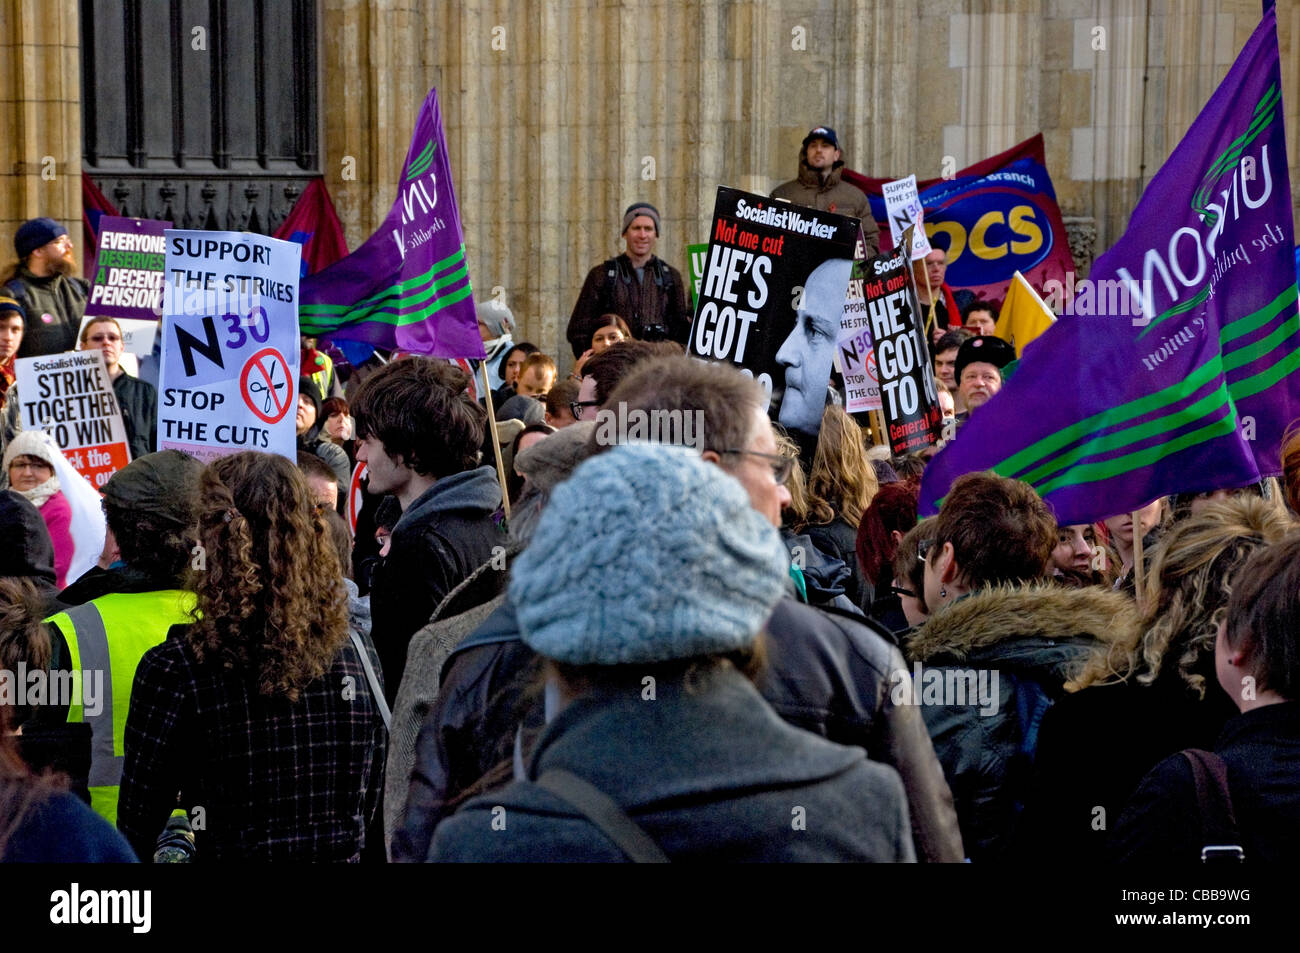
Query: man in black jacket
point(419, 434)
point(643, 290)
point(46, 285)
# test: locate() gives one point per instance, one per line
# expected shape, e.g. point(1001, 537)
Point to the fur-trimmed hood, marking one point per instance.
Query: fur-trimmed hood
point(983, 623)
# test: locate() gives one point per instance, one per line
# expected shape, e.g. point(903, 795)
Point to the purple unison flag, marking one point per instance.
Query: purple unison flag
point(407, 287)
point(1174, 368)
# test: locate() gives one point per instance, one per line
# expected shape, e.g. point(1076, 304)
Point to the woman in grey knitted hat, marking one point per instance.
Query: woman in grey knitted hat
point(645, 586)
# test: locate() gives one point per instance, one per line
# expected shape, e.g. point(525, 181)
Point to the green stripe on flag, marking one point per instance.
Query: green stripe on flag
point(421, 162)
point(1041, 451)
point(416, 317)
point(1131, 435)
point(1250, 386)
point(1257, 319)
point(1105, 470)
point(395, 291)
point(1175, 310)
point(1253, 352)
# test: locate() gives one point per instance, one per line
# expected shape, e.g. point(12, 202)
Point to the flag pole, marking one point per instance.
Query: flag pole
point(1137, 558)
point(496, 440)
point(877, 419)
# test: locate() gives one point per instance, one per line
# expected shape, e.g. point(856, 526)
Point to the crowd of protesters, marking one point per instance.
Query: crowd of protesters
point(745, 647)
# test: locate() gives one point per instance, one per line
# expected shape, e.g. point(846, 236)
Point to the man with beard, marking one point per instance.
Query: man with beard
point(820, 186)
point(45, 283)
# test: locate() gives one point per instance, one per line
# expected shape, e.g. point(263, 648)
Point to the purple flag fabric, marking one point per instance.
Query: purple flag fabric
point(1173, 370)
point(407, 287)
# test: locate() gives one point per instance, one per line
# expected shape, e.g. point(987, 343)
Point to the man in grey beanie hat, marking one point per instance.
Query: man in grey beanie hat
point(657, 747)
point(645, 291)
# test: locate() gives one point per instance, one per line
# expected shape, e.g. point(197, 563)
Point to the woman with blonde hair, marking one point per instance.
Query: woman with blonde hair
point(844, 481)
point(1146, 696)
point(266, 711)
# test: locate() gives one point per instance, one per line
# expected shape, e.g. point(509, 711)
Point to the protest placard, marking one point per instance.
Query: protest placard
point(128, 269)
point(772, 298)
point(910, 403)
point(71, 397)
point(856, 357)
point(903, 208)
point(229, 378)
point(696, 256)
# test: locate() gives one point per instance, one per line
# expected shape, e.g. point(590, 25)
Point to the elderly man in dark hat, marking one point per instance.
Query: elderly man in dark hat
point(645, 291)
point(979, 368)
point(45, 284)
point(121, 612)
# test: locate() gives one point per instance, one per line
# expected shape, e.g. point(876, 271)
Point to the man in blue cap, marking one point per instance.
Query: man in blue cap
point(46, 284)
point(819, 185)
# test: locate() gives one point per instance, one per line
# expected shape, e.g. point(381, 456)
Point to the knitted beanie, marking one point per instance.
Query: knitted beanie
point(30, 443)
point(34, 233)
point(550, 462)
point(647, 554)
point(637, 209)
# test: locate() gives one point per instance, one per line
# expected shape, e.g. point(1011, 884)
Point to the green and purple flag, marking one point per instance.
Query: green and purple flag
point(1175, 370)
point(407, 288)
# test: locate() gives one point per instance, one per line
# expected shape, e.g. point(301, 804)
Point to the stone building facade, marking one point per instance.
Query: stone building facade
point(559, 114)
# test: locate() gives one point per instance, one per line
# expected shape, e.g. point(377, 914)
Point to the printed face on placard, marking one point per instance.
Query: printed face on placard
point(808, 352)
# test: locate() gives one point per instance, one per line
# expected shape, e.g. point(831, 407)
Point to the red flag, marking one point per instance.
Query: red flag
point(314, 224)
point(94, 205)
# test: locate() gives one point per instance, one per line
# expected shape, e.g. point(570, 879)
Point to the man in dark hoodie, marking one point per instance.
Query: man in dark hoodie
point(819, 185)
point(419, 434)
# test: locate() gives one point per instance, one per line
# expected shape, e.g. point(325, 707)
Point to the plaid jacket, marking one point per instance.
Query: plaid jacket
point(274, 779)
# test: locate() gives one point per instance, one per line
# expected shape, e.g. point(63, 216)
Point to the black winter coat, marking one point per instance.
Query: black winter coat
point(988, 665)
point(139, 403)
point(444, 535)
point(1091, 754)
point(827, 672)
point(1261, 747)
point(710, 774)
point(657, 301)
point(838, 540)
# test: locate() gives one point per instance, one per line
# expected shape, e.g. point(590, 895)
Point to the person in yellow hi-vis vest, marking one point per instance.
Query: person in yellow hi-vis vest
point(121, 612)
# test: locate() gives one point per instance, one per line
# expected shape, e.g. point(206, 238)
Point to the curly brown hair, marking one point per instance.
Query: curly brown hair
point(1190, 582)
point(270, 591)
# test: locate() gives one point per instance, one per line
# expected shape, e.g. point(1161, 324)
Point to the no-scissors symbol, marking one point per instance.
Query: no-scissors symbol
point(264, 385)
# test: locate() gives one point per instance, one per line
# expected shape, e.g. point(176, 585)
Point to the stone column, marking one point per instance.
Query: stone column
point(40, 116)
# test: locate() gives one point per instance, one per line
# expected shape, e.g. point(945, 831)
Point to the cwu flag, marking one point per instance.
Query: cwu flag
point(407, 287)
point(1177, 374)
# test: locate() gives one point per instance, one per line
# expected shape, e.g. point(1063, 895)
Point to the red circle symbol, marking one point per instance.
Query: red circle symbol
point(265, 386)
point(355, 495)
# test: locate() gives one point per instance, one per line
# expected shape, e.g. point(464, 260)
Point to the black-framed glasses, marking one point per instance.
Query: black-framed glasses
point(576, 406)
point(923, 548)
point(781, 465)
point(900, 591)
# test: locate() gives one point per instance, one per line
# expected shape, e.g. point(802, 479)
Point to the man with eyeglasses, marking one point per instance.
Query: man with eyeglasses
point(603, 371)
point(45, 283)
point(137, 399)
point(827, 671)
